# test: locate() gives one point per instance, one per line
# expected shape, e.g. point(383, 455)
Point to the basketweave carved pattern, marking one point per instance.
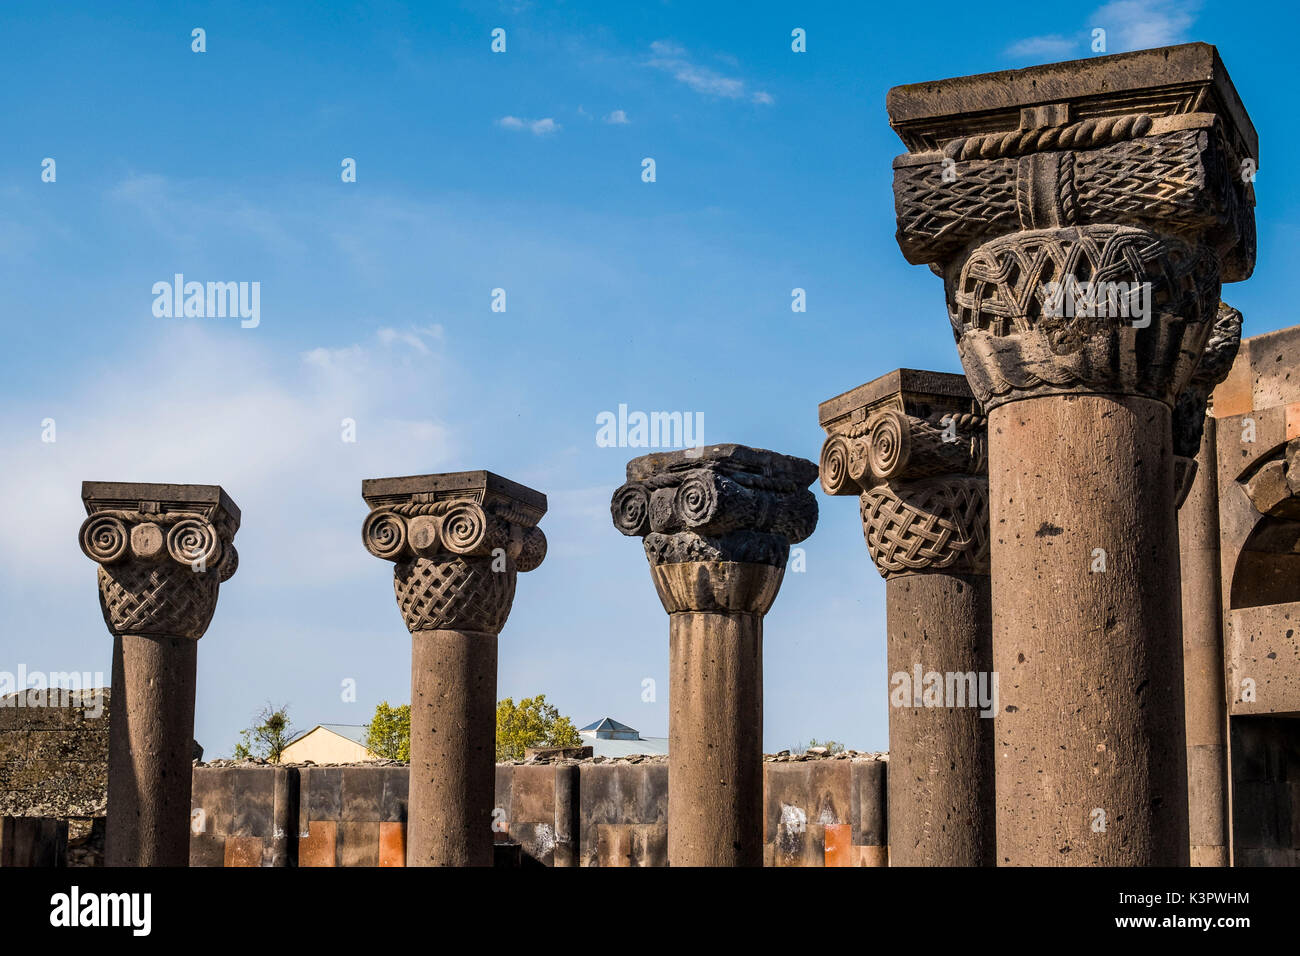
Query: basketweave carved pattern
point(1159, 179)
point(934, 214)
point(159, 598)
point(929, 525)
point(463, 594)
point(1178, 181)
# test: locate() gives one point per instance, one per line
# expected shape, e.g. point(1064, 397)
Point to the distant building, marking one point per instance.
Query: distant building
point(330, 743)
point(608, 738)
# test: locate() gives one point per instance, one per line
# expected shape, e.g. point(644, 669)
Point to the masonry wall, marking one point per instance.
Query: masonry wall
point(819, 812)
point(54, 759)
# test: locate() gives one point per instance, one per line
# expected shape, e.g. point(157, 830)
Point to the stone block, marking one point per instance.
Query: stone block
point(392, 844)
point(358, 843)
point(839, 848)
point(800, 844)
point(632, 844)
point(532, 795)
point(363, 794)
point(318, 848)
point(243, 851)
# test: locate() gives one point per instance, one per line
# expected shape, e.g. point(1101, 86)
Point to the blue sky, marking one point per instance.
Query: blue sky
point(477, 171)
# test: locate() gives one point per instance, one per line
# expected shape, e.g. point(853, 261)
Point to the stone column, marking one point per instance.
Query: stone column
point(911, 445)
point(1082, 216)
point(457, 541)
point(162, 551)
point(1195, 447)
point(718, 523)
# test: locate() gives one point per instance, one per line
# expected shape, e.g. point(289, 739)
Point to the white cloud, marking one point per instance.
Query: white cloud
point(672, 58)
point(235, 414)
point(1129, 25)
point(412, 338)
point(1052, 46)
point(1143, 24)
point(540, 127)
point(617, 118)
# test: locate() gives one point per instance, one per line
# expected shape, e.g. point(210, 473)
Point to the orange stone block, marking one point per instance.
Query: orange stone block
point(839, 844)
point(1235, 395)
point(319, 846)
point(392, 844)
point(243, 851)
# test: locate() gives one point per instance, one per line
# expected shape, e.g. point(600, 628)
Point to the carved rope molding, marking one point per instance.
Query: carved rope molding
point(455, 561)
point(159, 573)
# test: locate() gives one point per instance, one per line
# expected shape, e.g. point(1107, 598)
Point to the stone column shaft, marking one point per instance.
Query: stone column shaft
point(1207, 722)
point(162, 551)
point(718, 523)
point(150, 751)
point(457, 542)
point(1091, 699)
point(940, 781)
point(715, 744)
point(453, 752)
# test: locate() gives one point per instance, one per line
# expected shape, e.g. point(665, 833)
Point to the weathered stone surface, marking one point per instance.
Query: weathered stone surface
point(1022, 189)
point(163, 551)
point(718, 523)
point(457, 541)
point(1203, 676)
point(54, 754)
point(913, 445)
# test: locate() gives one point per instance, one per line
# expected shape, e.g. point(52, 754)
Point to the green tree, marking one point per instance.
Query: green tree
point(389, 732)
point(268, 737)
point(531, 723)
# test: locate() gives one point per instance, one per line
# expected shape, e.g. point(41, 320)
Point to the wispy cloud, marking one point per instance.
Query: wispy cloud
point(415, 338)
point(538, 127)
point(1142, 24)
point(617, 118)
point(1052, 46)
point(673, 59)
point(1129, 25)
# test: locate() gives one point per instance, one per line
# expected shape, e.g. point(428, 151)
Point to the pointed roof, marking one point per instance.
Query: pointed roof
point(607, 728)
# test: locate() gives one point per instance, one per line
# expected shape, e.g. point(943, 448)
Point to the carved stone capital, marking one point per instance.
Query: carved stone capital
point(457, 540)
point(706, 509)
point(1082, 216)
point(912, 446)
point(163, 552)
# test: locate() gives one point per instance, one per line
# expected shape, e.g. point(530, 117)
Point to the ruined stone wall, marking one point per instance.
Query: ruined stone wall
point(54, 759)
point(827, 811)
point(1257, 419)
